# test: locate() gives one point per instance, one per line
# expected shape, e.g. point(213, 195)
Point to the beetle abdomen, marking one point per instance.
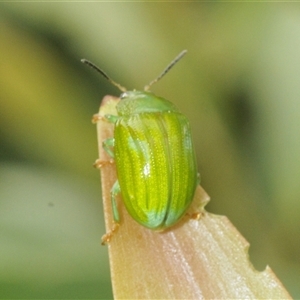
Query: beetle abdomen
point(156, 166)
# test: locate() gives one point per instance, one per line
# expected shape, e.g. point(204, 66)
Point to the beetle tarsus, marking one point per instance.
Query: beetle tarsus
point(96, 118)
point(99, 163)
point(107, 118)
point(195, 215)
point(106, 238)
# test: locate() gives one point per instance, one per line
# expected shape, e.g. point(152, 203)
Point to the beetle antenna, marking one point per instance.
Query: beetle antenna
point(166, 70)
point(87, 62)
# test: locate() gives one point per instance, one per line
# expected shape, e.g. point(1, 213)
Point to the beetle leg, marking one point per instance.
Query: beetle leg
point(108, 144)
point(113, 193)
point(198, 178)
point(111, 118)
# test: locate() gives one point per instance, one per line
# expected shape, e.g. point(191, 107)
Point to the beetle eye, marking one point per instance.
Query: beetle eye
point(123, 95)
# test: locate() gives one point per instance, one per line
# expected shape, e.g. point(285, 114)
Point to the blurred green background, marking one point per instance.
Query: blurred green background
point(239, 85)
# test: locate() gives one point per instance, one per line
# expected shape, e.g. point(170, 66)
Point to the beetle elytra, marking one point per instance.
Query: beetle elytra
point(154, 155)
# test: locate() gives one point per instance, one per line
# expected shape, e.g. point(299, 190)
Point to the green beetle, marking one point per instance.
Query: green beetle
point(154, 155)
